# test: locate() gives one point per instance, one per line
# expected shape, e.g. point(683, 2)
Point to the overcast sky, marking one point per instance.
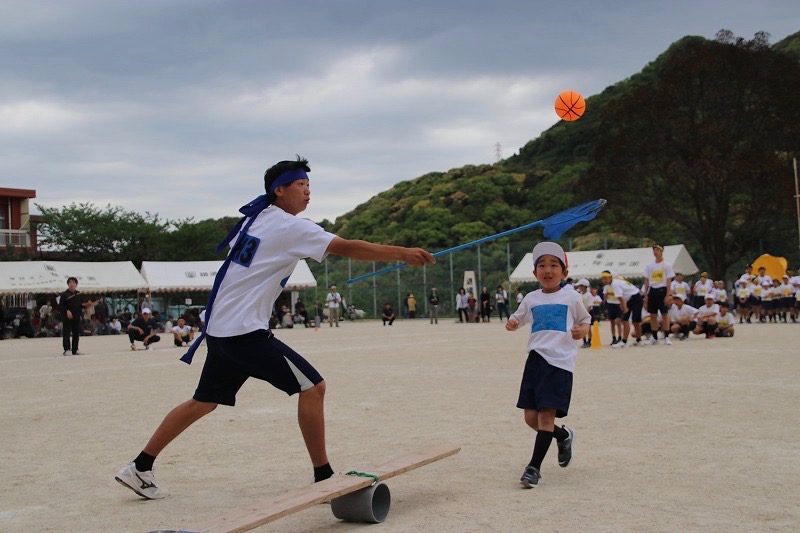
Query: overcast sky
point(177, 107)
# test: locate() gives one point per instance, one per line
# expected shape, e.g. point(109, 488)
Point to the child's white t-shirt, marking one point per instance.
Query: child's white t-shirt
point(726, 320)
point(552, 316)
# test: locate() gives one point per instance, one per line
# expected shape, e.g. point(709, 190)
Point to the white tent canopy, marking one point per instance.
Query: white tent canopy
point(37, 277)
point(627, 262)
point(187, 276)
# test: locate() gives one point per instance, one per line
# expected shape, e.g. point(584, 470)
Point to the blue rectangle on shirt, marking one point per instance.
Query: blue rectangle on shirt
point(549, 317)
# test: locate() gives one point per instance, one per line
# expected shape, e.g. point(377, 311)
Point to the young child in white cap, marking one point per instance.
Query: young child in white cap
point(558, 318)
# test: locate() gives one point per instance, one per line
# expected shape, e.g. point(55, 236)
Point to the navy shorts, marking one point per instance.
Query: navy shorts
point(613, 311)
point(634, 313)
point(545, 386)
point(232, 360)
point(655, 300)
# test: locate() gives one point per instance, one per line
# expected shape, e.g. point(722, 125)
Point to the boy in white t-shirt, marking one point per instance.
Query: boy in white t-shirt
point(683, 317)
point(707, 318)
point(725, 321)
point(558, 318)
point(584, 289)
point(266, 246)
point(182, 334)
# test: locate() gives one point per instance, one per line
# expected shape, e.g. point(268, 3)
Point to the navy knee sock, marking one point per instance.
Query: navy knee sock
point(543, 440)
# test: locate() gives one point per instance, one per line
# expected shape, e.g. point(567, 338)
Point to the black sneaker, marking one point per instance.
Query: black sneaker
point(530, 478)
point(565, 448)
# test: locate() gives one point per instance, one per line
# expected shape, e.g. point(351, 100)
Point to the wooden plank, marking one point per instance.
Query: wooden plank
point(253, 516)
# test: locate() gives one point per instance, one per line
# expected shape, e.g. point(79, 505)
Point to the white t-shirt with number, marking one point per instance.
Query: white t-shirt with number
point(726, 320)
point(264, 261)
point(680, 287)
point(658, 274)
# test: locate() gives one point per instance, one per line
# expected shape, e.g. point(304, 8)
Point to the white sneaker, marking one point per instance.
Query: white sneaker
point(654, 340)
point(620, 345)
point(667, 341)
point(638, 343)
point(149, 348)
point(142, 483)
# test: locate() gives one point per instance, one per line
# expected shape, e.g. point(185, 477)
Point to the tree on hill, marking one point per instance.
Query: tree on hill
point(703, 153)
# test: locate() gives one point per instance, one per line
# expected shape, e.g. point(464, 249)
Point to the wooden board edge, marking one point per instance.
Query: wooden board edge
point(254, 516)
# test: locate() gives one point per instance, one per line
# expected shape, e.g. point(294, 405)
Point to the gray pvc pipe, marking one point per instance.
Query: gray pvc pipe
point(366, 505)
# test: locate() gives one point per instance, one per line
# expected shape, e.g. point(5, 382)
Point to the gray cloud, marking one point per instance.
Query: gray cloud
point(178, 107)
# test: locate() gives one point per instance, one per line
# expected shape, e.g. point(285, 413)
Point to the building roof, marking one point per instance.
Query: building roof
point(17, 193)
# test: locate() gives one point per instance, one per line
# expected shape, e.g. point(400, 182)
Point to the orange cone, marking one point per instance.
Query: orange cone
point(597, 343)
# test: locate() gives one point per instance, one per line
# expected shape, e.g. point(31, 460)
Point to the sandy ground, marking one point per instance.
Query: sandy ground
point(700, 436)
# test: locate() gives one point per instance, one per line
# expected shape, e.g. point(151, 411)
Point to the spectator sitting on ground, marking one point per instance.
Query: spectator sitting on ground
point(182, 334)
point(115, 326)
point(388, 314)
point(725, 321)
point(301, 312)
point(707, 318)
point(143, 329)
point(97, 327)
point(683, 317)
point(286, 318)
point(23, 326)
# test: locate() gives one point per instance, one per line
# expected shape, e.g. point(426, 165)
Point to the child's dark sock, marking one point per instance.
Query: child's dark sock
point(322, 472)
point(560, 433)
point(144, 462)
point(543, 440)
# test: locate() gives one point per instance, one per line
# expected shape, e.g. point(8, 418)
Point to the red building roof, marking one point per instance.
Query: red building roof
point(17, 193)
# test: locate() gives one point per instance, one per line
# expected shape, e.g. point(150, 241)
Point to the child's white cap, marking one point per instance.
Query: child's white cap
point(584, 282)
point(549, 248)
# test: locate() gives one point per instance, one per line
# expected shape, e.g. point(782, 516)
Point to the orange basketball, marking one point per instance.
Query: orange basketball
point(570, 105)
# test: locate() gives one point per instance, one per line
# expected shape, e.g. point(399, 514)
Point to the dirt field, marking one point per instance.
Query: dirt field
point(700, 436)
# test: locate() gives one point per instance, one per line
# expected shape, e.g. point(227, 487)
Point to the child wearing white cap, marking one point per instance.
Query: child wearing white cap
point(558, 318)
point(584, 287)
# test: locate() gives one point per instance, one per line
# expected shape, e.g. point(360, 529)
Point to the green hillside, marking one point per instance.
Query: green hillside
point(562, 167)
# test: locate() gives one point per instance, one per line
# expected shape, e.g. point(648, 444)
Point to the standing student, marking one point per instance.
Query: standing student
point(501, 302)
point(433, 300)
point(266, 246)
point(70, 305)
point(630, 307)
point(486, 305)
point(462, 305)
point(658, 277)
point(613, 309)
point(558, 318)
point(702, 287)
point(334, 300)
point(412, 306)
point(584, 290)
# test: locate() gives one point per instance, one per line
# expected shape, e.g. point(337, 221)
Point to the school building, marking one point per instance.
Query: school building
point(17, 226)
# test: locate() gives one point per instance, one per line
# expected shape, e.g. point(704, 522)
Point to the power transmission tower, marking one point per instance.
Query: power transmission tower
point(498, 152)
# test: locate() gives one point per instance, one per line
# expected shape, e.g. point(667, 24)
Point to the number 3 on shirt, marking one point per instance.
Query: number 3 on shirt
point(244, 250)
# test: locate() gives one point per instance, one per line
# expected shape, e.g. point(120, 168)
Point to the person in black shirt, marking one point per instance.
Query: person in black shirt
point(70, 304)
point(143, 328)
point(388, 314)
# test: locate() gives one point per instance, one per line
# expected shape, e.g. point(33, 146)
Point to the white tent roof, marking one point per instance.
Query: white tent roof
point(627, 262)
point(23, 277)
point(185, 276)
